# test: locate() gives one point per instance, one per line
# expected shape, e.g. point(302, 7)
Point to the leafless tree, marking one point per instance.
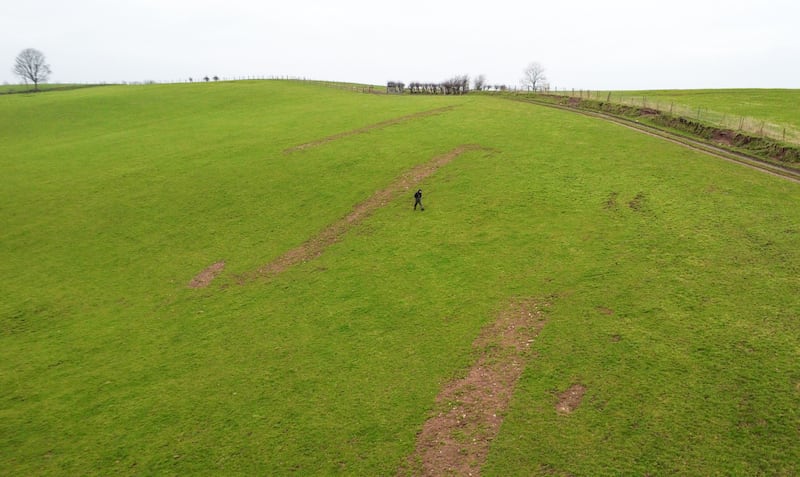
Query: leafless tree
point(395, 87)
point(448, 86)
point(533, 76)
point(30, 66)
point(479, 82)
point(458, 84)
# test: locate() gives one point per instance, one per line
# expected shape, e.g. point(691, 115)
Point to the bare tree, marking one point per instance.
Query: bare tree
point(395, 87)
point(30, 66)
point(479, 82)
point(533, 76)
point(464, 84)
point(458, 84)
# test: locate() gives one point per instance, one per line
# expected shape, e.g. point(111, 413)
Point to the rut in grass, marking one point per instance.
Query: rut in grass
point(469, 411)
point(365, 129)
point(204, 278)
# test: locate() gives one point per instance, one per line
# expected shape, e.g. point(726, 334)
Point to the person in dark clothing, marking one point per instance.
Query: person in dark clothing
point(418, 200)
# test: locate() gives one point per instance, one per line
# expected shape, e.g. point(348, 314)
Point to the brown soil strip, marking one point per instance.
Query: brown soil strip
point(570, 399)
point(371, 127)
point(204, 278)
point(455, 441)
point(333, 233)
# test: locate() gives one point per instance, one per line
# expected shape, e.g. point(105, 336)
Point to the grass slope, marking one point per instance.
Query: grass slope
point(673, 280)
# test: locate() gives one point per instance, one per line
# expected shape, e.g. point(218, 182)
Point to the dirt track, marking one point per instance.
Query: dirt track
point(456, 439)
point(314, 247)
point(204, 278)
point(371, 127)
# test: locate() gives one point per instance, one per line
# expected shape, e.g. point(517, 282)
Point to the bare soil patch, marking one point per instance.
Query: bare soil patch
point(371, 127)
point(638, 202)
point(611, 201)
point(204, 278)
point(570, 399)
point(722, 136)
point(334, 232)
point(469, 411)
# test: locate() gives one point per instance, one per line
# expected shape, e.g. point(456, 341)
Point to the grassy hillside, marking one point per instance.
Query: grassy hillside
point(672, 280)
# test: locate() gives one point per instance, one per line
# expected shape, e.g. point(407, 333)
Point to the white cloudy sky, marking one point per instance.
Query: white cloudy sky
point(583, 44)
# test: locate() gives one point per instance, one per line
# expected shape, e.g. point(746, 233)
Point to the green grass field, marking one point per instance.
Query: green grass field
point(673, 279)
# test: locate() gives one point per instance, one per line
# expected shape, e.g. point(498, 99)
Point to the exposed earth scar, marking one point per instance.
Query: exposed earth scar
point(331, 234)
point(456, 439)
point(570, 399)
point(204, 278)
point(371, 127)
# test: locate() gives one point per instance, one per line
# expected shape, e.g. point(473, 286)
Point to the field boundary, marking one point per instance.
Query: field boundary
point(469, 411)
point(718, 152)
point(371, 127)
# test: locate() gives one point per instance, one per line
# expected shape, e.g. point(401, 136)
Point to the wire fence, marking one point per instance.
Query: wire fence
point(733, 122)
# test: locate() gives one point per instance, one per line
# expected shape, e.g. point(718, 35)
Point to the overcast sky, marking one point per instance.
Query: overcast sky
point(582, 44)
